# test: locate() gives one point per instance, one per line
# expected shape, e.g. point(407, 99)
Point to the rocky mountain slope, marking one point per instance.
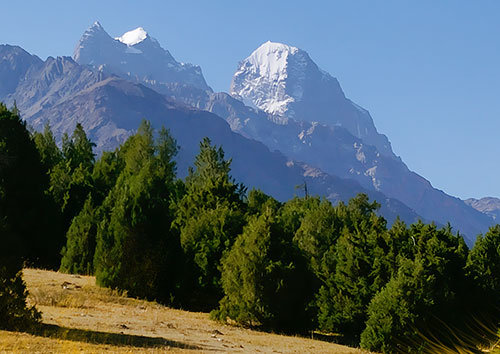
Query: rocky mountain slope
point(488, 205)
point(14, 64)
point(283, 81)
point(314, 122)
point(135, 55)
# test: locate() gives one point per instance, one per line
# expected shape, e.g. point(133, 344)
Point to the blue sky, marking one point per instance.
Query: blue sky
point(428, 71)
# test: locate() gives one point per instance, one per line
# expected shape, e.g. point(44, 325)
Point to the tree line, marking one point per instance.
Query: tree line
point(207, 243)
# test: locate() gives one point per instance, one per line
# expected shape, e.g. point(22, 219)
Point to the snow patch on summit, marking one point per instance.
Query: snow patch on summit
point(133, 37)
point(138, 56)
point(263, 78)
point(270, 59)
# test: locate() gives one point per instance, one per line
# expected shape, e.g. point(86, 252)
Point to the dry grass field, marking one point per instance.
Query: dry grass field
point(79, 316)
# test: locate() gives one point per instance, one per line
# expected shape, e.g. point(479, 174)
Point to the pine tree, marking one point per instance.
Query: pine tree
point(317, 235)
point(396, 311)
point(71, 178)
point(78, 254)
point(352, 273)
point(483, 275)
point(136, 250)
point(105, 174)
point(483, 263)
point(30, 214)
point(15, 314)
point(209, 217)
point(258, 202)
point(294, 210)
point(47, 147)
point(17, 152)
point(265, 278)
point(427, 298)
point(79, 149)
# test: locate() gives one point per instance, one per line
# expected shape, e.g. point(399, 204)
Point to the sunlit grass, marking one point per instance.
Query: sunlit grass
point(79, 316)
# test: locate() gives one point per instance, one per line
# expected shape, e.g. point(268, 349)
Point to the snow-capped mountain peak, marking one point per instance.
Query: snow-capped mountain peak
point(135, 55)
point(271, 59)
point(284, 81)
point(271, 77)
point(133, 37)
point(96, 24)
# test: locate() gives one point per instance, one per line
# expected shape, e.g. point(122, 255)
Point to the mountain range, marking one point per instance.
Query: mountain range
point(487, 205)
point(284, 120)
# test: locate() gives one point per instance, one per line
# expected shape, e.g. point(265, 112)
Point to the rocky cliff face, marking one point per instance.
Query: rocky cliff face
point(14, 64)
point(283, 81)
point(52, 82)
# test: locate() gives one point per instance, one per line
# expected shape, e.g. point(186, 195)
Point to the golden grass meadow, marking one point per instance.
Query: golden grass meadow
point(79, 316)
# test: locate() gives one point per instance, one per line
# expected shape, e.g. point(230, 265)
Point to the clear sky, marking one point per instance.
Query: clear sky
point(428, 71)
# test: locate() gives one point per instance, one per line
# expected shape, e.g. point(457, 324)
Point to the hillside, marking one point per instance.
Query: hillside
point(80, 316)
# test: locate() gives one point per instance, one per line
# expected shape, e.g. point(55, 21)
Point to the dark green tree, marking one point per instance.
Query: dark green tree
point(78, 254)
point(294, 210)
point(265, 278)
point(483, 263)
point(210, 216)
point(49, 152)
point(15, 314)
point(79, 149)
point(28, 212)
point(105, 174)
point(258, 202)
point(483, 274)
point(352, 274)
point(395, 312)
point(317, 235)
point(426, 300)
point(400, 245)
point(15, 249)
point(136, 250)
point(71, 179)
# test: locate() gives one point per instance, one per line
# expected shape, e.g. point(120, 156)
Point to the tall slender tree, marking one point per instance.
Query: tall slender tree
point(136, 250)
point(210, 216)
point(71, 178)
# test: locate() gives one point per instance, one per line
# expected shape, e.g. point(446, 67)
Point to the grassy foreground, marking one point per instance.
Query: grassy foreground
point(80, 316)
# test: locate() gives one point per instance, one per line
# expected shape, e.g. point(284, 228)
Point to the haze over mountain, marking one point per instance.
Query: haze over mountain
point(291, 106)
